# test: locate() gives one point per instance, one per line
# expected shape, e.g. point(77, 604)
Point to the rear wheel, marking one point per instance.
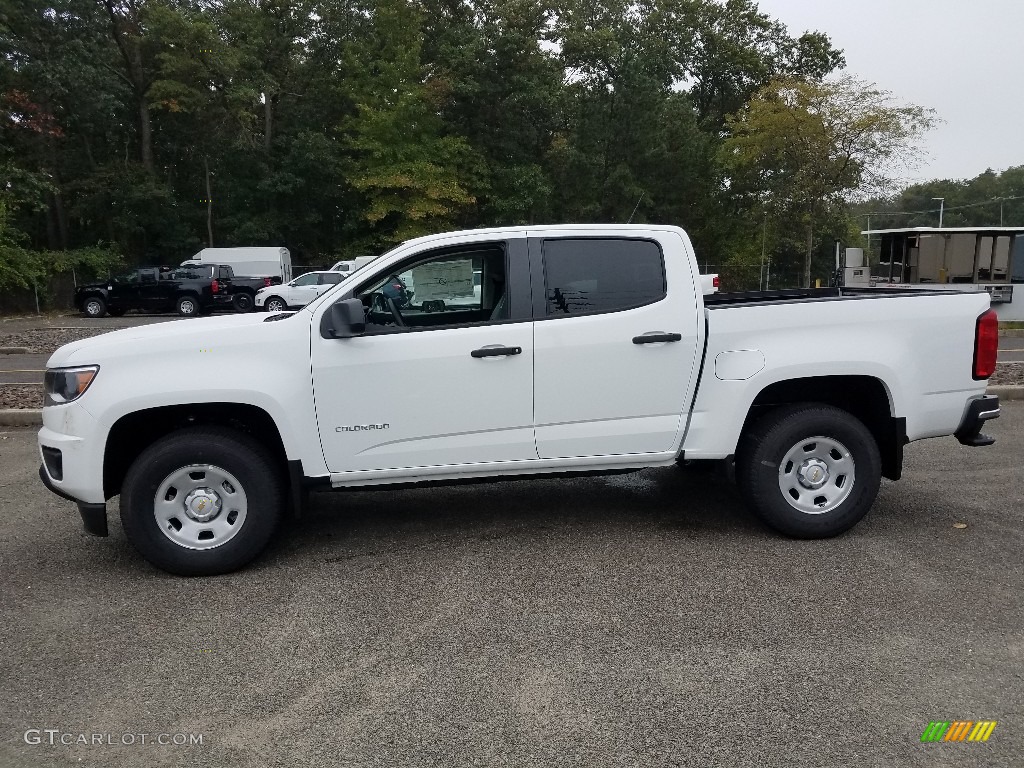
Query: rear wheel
point(276, 304)
point(809, 471)
point(187, 306)
point(243, 302)
point(202, 501)
point(94, 306)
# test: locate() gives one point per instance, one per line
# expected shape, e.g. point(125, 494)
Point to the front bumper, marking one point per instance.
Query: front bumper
point(94, 516)
point(979, 411)
point(71, 466)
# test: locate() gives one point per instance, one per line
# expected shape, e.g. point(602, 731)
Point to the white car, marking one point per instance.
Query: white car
point(298, 293)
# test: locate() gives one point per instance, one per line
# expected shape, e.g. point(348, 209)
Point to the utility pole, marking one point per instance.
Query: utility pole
point(942, 205)
point(209, 203)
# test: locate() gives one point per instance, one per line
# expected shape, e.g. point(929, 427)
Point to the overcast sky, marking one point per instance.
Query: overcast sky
point(962, 58)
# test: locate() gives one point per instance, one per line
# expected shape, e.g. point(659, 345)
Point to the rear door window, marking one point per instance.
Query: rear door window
point(590, 275)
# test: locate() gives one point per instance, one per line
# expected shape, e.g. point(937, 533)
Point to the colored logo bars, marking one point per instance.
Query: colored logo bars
point(959, 730)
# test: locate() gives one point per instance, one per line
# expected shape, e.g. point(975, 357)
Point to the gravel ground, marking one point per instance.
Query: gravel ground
point(1008, 373)
point(42, 341)
point(21, 396)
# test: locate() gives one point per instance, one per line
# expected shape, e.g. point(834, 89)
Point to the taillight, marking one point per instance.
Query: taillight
point(215, 286)
point(986, 344)
point(715, 281)
point(266, 282)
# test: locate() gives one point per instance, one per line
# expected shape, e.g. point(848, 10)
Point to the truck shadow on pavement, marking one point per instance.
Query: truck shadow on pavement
point(668, 502)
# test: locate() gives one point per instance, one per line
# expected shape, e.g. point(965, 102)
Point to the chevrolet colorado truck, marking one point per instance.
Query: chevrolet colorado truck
point(522, 351)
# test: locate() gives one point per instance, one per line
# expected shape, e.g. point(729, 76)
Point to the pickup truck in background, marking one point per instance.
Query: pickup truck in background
point(587, 349)
point(188, 290)
point(240, 291)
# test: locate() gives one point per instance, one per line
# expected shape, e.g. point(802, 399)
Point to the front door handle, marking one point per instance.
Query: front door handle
point(653, 338)
point(496, 351)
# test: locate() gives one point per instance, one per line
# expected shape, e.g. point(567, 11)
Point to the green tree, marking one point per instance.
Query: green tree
point(404, 163)
point(800, 150)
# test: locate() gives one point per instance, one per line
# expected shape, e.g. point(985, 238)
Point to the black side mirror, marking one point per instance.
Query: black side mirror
point(346, 319)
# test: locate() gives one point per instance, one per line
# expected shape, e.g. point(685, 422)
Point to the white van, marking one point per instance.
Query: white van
point(349, 266)
point(249, 262)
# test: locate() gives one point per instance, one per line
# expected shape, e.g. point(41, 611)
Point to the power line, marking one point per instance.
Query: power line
point(948, 207)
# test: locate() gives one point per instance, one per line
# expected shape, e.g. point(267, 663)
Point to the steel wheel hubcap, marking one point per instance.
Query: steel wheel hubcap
point(186, 307)
point(817, 475)
point(200, 506)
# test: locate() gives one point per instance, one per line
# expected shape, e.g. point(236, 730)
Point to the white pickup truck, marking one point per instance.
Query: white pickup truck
point(586, 349)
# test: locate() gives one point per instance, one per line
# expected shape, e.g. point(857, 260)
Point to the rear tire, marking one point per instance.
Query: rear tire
point(243, 302)
point(94, 306)
point(187, 306)
point(809, 471)
point(185, 494)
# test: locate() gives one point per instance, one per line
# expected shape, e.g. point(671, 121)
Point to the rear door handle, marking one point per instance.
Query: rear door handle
point(653, 338)
point(496, 351)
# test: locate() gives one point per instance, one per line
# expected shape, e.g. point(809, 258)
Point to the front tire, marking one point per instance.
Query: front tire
point(187, 306)
point(809, 471)
point(202, 501)
point(276, 304)
point(94, 306)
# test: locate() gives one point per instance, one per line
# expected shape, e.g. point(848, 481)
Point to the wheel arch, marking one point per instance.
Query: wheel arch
point(865, 397)
point(135, 431)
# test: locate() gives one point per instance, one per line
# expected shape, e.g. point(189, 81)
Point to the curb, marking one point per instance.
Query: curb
point(13, 350)
point(28, 417)
point(1007, 392)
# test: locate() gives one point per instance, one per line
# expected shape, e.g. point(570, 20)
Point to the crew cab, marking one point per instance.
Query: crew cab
point(585, 349)
point(298, 292)
point(189, 290)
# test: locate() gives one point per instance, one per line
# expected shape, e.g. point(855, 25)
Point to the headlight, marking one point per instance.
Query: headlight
point(64, 385)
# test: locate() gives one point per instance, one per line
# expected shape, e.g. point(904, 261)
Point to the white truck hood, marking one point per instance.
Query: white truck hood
point(204, 331)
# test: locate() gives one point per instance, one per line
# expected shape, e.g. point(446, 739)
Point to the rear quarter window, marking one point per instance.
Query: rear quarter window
point(588, 275)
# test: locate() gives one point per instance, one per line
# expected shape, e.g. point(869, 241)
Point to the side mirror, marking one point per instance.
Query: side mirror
point(346, 319)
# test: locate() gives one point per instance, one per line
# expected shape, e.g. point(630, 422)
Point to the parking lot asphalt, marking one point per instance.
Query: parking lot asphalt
point(628, 620)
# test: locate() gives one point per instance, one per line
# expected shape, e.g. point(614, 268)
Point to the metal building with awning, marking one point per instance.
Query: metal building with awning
point(959, 258)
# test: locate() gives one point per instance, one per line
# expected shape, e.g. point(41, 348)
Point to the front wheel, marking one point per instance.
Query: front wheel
point(187, 306)
point(276, 304)
point(809, 471)
point(201, 501)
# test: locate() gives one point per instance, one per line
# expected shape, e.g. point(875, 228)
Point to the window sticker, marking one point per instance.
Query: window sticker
point(443, 280)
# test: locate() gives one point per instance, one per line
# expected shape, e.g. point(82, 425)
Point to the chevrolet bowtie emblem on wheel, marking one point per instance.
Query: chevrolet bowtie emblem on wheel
point(361, 427)
point(959, 730)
